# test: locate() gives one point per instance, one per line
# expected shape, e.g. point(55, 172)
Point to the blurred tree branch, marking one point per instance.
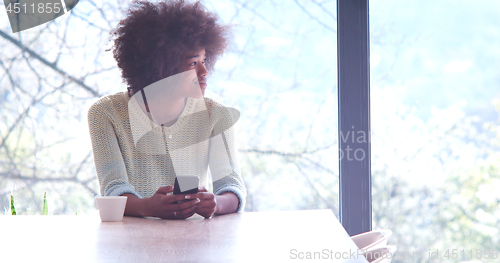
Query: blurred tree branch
point(315, 18)
point(41, 96)
point(49, 64)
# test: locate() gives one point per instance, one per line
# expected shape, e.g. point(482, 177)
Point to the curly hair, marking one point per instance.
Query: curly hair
point(153, 39)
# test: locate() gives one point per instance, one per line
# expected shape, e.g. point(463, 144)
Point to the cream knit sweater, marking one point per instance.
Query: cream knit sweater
point(140, 167)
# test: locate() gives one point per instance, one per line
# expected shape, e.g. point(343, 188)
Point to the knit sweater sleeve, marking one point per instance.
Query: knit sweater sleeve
point(109, 162)
point(223, 160)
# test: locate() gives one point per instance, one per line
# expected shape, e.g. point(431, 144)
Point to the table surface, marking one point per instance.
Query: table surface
point(241, 237)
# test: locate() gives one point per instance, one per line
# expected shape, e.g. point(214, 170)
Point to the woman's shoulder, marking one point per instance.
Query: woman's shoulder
point(111, 100)
point(215, 106)
point(110, 104)
point(221, 111)
point(213, 103)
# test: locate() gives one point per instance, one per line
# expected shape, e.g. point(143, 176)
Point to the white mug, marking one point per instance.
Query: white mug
point(111, 208)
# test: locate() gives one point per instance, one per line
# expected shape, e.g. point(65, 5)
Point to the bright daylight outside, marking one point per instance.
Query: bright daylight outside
point(435, 94)
point(435, 105)
point(279, 72)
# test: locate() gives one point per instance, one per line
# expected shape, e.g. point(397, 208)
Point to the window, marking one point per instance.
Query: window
point(280, 72)
point(435, 123)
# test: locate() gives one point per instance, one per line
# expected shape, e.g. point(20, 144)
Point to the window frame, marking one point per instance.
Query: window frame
point(353, 66)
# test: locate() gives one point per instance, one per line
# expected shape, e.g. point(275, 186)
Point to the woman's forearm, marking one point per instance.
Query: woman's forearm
point(135, 206)
point(226, 203)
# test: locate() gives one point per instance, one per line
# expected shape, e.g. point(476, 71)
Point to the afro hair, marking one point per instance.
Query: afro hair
point(151, 42)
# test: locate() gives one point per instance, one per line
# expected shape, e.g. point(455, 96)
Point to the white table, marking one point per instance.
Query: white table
point(243, 237)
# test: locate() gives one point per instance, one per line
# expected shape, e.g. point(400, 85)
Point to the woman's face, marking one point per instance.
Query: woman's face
point(196, 61)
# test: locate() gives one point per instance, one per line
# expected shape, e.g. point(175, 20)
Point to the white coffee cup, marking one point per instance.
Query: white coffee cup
point(111, 208)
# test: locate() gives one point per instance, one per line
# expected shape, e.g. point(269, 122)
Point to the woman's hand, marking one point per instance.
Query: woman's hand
point(208, 203)
point(211, 204)
point(165, 206)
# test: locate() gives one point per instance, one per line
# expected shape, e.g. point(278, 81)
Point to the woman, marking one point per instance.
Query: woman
point(154, 42)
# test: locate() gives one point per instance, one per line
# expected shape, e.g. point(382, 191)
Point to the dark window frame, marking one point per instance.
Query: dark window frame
point(353, 65)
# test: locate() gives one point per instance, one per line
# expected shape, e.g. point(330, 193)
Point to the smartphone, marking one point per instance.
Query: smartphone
point(187, 184)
